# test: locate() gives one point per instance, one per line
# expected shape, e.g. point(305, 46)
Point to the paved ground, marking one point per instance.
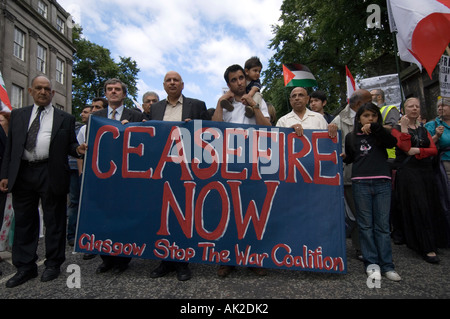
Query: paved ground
point(419, 280)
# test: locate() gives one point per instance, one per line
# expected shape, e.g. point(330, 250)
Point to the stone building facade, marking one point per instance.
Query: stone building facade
point(36, 39)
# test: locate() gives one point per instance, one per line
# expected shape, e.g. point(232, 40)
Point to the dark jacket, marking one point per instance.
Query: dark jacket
point(127, 114)
point(192, 109)
point(63, 143)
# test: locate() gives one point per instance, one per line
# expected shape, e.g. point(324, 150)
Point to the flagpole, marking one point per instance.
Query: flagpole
point(287, 99)
point(393, 28)
point(397, 64)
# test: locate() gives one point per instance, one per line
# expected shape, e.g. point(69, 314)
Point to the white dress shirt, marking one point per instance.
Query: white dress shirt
point(118, 114)
point(44, 135)
point(238, 114)
point(81, 136)
point(174, 113)
point(310, 121)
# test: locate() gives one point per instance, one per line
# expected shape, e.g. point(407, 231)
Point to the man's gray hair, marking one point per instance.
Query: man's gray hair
point(150, 93)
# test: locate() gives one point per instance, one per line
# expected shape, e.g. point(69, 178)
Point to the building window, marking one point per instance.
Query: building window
point(60, 25)
point(16, 96)
point(42, 8)
point(19, 44)
point(60, 71)
point(41, 58)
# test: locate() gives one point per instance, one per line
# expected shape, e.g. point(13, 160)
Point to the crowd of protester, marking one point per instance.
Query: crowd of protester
point(396, 169)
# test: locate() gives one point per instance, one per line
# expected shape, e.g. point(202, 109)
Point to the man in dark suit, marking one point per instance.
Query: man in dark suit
point(35, 167)
point(176, 108)
point(115, 93)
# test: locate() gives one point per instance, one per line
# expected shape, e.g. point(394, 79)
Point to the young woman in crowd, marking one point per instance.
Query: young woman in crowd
point(365, 147)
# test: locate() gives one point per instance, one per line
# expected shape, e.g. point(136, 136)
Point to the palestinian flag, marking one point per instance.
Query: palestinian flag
point(298, 75)
point(4, 99)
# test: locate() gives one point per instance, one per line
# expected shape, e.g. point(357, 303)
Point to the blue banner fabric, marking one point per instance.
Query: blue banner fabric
point(215, 193)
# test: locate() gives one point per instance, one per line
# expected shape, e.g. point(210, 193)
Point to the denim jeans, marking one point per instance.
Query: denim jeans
point(373, 201)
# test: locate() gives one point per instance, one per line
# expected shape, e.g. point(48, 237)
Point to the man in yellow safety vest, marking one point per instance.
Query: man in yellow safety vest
point(390, 114)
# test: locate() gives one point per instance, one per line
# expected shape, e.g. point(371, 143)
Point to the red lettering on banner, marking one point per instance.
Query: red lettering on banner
point(95, 159)
point(186, 220)
point(293, 159)
point(282, 167)
point(244, 258)
point(274, 255)
point(209, 253)
point(88, 242)
point(209, 172)
point(258, 153)
point(127, 149)
point(311, 259)
point(318, 158)
point(259, 222)
point(222, 227)
point(82, 244)
point(235, 152)
point(174, 136)
point(172, 251)
point(288, 169)
point(162, 245)
point(169, 201)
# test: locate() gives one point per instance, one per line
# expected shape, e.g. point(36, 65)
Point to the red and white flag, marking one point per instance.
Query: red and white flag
point(423, 30)
point(352, 86)
point(136, 103)
point(4, 99)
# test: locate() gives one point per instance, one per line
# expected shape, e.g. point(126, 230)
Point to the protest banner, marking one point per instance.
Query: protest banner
point(215, 193)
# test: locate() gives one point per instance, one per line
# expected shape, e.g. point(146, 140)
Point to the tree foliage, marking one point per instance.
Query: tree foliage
point(93, 65)
point(327, 35)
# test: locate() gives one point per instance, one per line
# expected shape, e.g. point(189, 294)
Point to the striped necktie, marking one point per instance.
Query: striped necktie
point(113, 115)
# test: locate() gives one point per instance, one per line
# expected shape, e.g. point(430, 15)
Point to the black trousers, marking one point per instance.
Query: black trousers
point(32, 185)
point(115, 260)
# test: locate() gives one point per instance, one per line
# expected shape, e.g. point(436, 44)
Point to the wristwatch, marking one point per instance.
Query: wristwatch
point(256, 106)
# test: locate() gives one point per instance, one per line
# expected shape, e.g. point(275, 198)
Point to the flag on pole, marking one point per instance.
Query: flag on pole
point(4, 99)
point(422, 30)
point(403, 52)
point(298, 75)
point(352, 86)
